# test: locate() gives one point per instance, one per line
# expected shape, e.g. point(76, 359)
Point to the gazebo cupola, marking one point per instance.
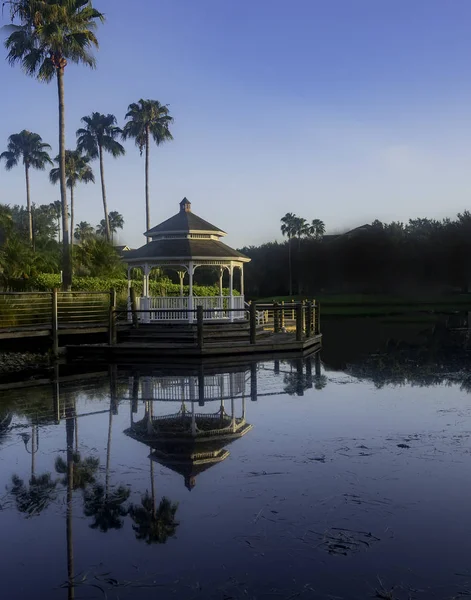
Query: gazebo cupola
point(184, 243)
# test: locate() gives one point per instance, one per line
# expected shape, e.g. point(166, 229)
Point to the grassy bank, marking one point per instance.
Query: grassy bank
point(379, 305)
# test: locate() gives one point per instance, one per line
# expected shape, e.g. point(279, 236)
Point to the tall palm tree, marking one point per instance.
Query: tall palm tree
point(288, 228)
point(31, 148)
point(98, 136)
point(302, 229)
point(48, 35)
point(77, 170)
point(56, 206)
point(83, 231)
point(317, 229)
point(148, 118)
point(116, 221)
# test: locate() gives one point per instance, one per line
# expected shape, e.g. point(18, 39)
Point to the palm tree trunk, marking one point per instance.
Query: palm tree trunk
point(71, 216)
point(33, 451)
point(147, 182)
point(28, 206)
point(103, 193)
point(66, 254)
point(152, 486)
point(108, 451)
point(290, 268)
point(69, 425)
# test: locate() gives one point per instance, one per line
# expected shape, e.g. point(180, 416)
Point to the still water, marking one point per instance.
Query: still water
point(314, 478)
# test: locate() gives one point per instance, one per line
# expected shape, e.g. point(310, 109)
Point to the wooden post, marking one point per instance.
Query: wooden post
point(317, 319)
point(308, 321)
point(282, 315)
point(135, 318)
point(308, 363)
point(253, 382)
point(299, 378)
point(276, 319)
point(135, 392)
point(201, 383)
point(199, 326)
point(299, 322)
point(113, 373)
point(56, 394)
point(55, 324)
point(112, 320)
point(253, 322)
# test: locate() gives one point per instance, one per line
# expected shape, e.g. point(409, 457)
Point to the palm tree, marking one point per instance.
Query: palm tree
point(56, 206)
point(51, 33)
point(31, 148)
point(115, 220)
point(83, 231)
point(288, 228)
point(302, 229)
point(148, 118)
point(317, 229)
point(77, 170)
point(100, 135)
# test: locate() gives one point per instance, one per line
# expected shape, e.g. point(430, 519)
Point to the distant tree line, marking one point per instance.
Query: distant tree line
point(424, 254)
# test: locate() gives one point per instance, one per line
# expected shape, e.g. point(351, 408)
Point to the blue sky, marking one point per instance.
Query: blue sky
point(342, 110)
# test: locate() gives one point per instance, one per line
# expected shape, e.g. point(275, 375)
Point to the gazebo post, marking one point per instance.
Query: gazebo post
point(190, 292)
point(181, 274)
point(145, 294)
point(241, 280)
point(221, 301)
point(231, 289)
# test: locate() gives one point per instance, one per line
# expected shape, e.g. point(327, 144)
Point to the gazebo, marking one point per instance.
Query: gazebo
point(184, 243)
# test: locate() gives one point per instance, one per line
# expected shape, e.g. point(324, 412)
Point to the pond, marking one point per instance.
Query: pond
point(341, 475)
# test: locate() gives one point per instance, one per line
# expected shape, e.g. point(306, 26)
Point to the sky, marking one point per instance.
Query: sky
point(342, 110)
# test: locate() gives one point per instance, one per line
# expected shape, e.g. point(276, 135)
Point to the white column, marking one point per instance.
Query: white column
point(231, 289)
point(190, 291)
point(242, 280)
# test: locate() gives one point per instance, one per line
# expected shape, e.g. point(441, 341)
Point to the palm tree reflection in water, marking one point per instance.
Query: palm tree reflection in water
point(154, 524)
point(32, 499)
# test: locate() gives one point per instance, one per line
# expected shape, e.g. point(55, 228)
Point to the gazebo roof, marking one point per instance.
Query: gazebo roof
point(184, 221)
point(184, 237)
point(185, 249)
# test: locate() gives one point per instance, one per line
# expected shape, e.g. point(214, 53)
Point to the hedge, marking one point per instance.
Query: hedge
point(48, 281)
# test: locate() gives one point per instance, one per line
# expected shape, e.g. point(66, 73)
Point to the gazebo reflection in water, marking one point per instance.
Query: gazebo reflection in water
point(210, 408)
point(191, 440)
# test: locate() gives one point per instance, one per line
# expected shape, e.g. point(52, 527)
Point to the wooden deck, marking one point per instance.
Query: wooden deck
point(268, 345)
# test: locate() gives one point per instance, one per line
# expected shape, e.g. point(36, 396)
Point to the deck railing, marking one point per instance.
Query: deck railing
point(51, 313)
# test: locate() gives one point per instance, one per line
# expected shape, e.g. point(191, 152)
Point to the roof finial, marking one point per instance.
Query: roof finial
point(185, 205)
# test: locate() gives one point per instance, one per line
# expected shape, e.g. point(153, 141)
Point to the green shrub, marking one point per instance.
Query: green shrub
point(48, 281)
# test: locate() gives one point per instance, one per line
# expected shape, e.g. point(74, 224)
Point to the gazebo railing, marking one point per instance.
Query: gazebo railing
point(176, 308)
